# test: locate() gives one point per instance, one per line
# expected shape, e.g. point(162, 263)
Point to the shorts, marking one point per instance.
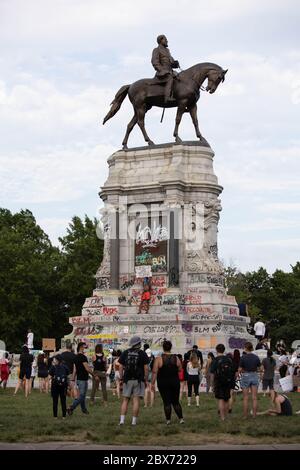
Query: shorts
point(133, 388)
point(268, 383)
point(25, 373)
point(222, 393)
point(249, 379)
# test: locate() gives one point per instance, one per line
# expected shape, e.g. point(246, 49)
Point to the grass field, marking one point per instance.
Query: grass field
point(31, 420)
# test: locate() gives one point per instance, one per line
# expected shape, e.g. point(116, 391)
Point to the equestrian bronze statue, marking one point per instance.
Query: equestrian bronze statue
point(184, 87)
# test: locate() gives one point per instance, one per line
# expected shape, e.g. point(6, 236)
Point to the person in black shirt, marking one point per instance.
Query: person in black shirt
point(82, 372)
point(26, 361)
point(100, 366)
point(68, 358)
point(59, 384)
point(195, 349)
point(281, 405)
point(223, 369)
point(165, 370)
point(249, 365)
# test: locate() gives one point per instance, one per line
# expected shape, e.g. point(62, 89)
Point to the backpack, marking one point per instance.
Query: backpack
point(60, 377)
point(225, 372)
point(132, 370)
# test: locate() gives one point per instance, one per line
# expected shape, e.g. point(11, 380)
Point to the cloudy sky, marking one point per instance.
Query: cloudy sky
point(61, 62)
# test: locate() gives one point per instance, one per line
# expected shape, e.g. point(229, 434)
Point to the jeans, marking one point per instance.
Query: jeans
point(82, 387)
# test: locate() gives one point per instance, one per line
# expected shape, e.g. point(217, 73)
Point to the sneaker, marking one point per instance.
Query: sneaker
point(69, 411)
point(168, 422)
point(121, 424)
point(181, 421)
point(85, 412)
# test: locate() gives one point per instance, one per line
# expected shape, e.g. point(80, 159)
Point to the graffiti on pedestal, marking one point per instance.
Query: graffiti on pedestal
point(236, 343)
point(186, 309)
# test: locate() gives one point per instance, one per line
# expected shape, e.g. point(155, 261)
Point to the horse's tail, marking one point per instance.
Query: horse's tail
point(116, 104)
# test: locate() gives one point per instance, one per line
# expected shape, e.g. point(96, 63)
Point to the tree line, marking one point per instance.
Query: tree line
point(41, 285)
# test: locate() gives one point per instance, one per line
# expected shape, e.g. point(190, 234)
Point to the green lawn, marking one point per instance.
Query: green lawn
point(31, 421)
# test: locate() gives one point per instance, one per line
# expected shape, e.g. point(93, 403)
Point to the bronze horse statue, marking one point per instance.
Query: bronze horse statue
point(149, 92)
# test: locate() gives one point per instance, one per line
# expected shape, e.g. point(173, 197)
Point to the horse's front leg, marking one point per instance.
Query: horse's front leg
point(180, 110)
point(141, 122)
point(130, 126)
point(193, 113)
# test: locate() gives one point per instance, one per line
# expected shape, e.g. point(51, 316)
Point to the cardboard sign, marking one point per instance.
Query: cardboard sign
point(143, 271)
point(49, 344)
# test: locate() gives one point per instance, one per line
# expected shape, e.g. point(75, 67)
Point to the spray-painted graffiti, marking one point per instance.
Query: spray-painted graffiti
point(201, 329)
point(199, 317)
point(127, 284)
point(190, 299)
point(166, 329)
point(170, 299)
point(102, 283)
point(158, 281)
point(110, 310)
point(186, 309)
point(206, 278)
point(170, 309)
point(187, 327)
point(79, 320)
point(236, 343)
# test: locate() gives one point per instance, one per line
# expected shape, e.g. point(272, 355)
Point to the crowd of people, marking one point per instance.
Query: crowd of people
point(135, 373)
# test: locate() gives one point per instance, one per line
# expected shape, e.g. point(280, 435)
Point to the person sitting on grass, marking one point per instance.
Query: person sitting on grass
point(281, 405)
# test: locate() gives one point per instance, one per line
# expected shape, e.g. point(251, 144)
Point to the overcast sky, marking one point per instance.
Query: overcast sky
point(61, 63)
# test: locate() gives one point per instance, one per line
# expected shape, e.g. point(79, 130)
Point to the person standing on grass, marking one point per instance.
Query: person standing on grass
point(26, 360)
point(68, 358)
point(165, 370)
point(83, 370)
point(194, 377)
point(208, 375)
point(149, 393)
point(268, 368)
point(59, 384)
point(249, 365)
point(42, 368)
point(283, 363)
point(133, 374)
point(223, 370)
point(236, 357)
point(181, 376)
point(99, 363)
point(116, 366)
point(4, 370)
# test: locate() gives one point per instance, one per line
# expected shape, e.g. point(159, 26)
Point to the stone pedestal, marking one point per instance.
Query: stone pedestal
point(160, 220)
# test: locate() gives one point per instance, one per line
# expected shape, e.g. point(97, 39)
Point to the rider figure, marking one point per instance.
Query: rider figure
point(163, 63)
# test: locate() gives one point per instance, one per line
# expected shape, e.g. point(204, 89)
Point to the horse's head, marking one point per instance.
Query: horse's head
point(214, 78)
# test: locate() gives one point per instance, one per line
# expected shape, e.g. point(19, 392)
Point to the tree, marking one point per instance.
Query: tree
point(29, 287)
point(82, 253)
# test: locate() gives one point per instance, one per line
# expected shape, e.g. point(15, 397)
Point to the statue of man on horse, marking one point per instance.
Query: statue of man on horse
point(156, 91)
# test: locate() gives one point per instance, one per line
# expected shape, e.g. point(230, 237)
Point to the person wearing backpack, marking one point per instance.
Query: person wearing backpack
point(223, 370)
point(59, 384)
point(99, 363)
point(249, 365)
point(134, 374)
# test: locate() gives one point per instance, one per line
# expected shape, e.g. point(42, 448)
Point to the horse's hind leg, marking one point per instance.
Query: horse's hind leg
point(141, 122)
point(130, 126)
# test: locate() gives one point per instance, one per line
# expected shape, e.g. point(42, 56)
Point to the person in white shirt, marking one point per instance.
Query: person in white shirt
point(29, 339)
point(259, 329)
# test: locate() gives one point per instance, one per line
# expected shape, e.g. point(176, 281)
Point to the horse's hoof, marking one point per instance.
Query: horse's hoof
point(125, 147)
point(150, 143)
point(178, 140)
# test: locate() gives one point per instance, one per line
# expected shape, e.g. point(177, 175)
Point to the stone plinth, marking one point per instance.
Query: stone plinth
point(160, 216)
